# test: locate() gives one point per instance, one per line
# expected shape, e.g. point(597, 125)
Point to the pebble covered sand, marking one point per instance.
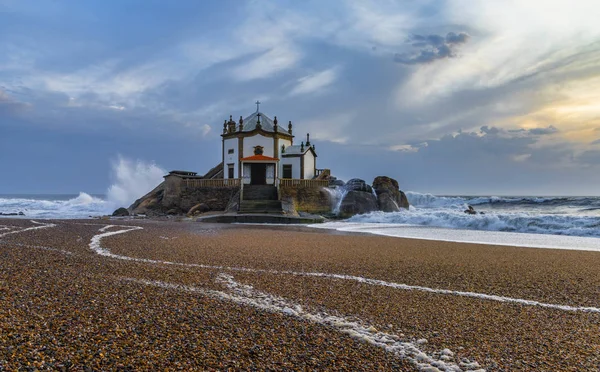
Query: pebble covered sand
point(81, 295)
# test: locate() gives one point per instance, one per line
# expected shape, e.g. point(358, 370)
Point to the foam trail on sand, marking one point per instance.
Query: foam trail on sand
point(246, 295)
point(42, 226)
point(96, 247)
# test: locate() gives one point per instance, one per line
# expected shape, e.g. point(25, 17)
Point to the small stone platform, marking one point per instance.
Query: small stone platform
point(259, 218)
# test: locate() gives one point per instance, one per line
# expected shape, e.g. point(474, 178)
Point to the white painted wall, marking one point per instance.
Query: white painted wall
point(231, 143)
point(295, 162)
point(309, 165)
point(258, 140)
point(270, 174)
point(283, 142)
point(246, 174)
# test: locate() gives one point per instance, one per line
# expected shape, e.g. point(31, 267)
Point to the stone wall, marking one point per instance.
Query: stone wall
point(173, 197)
point(215, 198)
point(305, 199)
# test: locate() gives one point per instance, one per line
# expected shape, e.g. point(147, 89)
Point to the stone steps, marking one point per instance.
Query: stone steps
point(261, 206)
point(260, 192)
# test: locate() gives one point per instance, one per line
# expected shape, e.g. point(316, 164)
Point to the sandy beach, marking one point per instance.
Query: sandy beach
point(149, 295)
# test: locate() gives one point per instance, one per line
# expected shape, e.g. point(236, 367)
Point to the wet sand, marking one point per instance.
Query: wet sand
point(79, 295)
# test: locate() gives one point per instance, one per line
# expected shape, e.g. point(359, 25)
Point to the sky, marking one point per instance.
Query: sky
point(448, 97)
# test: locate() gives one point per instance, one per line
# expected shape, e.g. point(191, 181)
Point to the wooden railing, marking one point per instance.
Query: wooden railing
point(231, 182)
point(325, 171)
point(295, 182)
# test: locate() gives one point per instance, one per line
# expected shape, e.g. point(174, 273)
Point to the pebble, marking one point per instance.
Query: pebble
point(70, 312)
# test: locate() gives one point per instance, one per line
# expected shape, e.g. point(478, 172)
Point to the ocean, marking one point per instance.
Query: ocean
point(527, 221)
point(530, 221)
point(61, 206)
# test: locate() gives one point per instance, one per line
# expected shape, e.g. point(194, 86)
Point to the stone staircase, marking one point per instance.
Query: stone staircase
point(260, 199)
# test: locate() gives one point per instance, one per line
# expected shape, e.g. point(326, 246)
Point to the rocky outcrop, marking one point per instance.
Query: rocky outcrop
point(304, 199)
point(198, 209)
point(357, 202)
point(173, 197)
point(121, 212)
point(389, 196)
point(356, 184)
point(12, 214)
point(151, 203)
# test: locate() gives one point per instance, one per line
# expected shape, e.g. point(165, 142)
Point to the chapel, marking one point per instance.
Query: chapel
point(259, 151)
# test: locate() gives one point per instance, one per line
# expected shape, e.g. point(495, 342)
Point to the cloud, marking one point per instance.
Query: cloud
point(205, 130)
point(596, 142)
point(589, 158)
point(315, 82)
point(543, 131)
point(267, 64)
point(432, 47)
point(487, 130)
point(9, 105)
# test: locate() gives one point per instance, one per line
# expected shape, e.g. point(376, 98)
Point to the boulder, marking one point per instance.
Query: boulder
point(470, 210)
point(333, 182)
point(198, 208)
point(121, 212)
point(357, 202)
point(151, 203)
point(389, 196)
point(357, 184)
point(172, 212)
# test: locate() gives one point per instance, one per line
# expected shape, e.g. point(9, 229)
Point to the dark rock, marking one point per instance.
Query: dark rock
point(172, 212)
point(121, 212)
point(335, 182)
point(357, 184)
point(403, 200)
point(174, 196)
point(151, 203)
point(357, 202)
point(470, 210)
point(198, 208)
point(12, 214)
point(389, 196)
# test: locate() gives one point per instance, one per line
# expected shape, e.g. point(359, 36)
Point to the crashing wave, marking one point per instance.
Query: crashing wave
point(421, 200)
point(511, 222)
point(81, 206)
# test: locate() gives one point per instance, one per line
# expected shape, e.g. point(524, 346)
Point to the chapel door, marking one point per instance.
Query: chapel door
point(258, 175)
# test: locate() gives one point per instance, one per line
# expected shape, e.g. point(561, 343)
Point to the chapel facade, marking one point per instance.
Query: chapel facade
point(259, 151)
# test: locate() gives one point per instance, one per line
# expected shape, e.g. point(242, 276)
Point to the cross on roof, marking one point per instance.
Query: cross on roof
point(257, 104)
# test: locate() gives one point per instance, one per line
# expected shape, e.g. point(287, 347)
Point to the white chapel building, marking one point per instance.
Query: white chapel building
point(259, 151)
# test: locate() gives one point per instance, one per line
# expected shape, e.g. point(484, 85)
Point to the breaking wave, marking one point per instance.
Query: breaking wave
point(516, 222)
point(420, 200)
point(80, 206)
point(573, 216)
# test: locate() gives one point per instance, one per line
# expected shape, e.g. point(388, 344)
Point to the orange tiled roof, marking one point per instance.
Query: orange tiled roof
point(259, 158)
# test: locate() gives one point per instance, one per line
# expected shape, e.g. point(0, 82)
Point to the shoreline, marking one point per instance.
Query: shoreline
point(411, 232)
point(255, 294)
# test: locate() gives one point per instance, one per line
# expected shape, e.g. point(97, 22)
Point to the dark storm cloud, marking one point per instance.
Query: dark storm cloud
point(487, 130)
point(551, 129)
point(432, 47)
point(543, 131)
